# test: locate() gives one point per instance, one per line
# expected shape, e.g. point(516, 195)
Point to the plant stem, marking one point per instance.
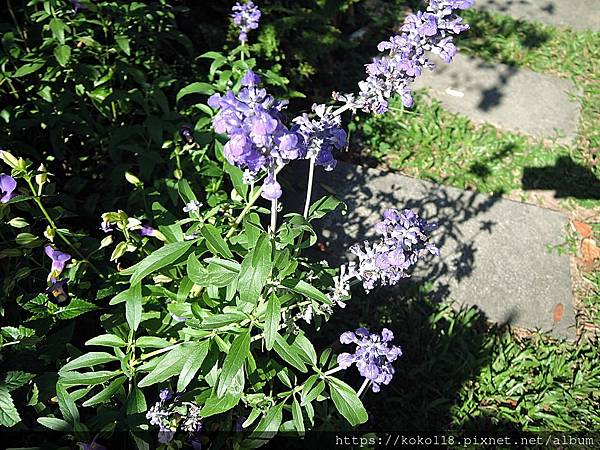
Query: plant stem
point(341, 109)
point(273, 216)
point(334, 370)
point(248, 207)
point(52, 224)
point(311, 175)
point(363, 387)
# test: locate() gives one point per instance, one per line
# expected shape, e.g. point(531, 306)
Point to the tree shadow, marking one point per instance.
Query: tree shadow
point(566, 178)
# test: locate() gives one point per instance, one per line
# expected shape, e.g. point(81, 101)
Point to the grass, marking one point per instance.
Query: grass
point(459, 374)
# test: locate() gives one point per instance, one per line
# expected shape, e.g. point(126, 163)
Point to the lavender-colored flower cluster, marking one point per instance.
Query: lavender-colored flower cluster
point(393, 73)
point(167, 415)
point(403, 241)
point(258, 138)
point(322, 135)
point(245, 16)
point(373, 356)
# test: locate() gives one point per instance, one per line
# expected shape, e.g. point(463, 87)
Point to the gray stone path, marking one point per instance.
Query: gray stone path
point(494, 251)
point(575, 14)
point(513, 99)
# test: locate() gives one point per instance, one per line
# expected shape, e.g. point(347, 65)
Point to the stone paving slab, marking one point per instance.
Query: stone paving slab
point(494, 252)
point(575, 14)
point(507, 97)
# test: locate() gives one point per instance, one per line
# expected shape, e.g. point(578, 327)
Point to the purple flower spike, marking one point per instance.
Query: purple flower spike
point(406, 55)
point(373, 355)
point(403, 240)
point(258, 138)
point(245, 17)
point(250, 79)
point(59, 259)
point(7, 187)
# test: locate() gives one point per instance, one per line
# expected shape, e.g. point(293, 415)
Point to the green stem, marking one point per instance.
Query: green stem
point(248, 207)
point(52, 224)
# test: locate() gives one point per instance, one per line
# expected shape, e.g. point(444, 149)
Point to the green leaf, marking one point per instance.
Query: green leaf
point(15, 379)
point(133, 306)
point(255, 270)
point(234, 361)
point(310, 395)
point(220, 320)
point(237, 178)
point(55, 424)
point(297, 418)
point(305, 349)
point(195, 88)
point(27, 69)
point(58, 27)
point(302, 287)
point(106, 393)
point(269, 425)
point(216, 244)
point(76, 308)
point(272, 317)
point(66, 404)
point(347, 402)
point(192, 364)
point(87, 360)
point(287, 353)
point(123, 43)
point(217, 405)
point(185, 191)
point(9, 415)
point(62, 53)
point(157, 260)
point(323, 206)
point(170, 365)
point(87, 378)
point(136, 402)
point(107, 340)
point(151, 342)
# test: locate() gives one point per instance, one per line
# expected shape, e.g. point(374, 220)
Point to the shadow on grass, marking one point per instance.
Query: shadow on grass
point(566, 178)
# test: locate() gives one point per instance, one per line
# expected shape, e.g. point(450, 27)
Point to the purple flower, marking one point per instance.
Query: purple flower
point(194, 205)
point(7, 187)
point(403, 240)
point(373, 356)
point(393, 73)
point(92, 445)
point(106, 226)
point(76, 6)
point(165, 395)
point(258, 139)
point(165, 436)
point(271, 189)
point(322, 135)
point(59, 259)
point(245, 17)
point(147, 230)
point(186, 134)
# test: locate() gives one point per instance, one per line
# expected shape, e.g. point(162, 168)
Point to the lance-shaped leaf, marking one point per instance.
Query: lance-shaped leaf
point(234, 361)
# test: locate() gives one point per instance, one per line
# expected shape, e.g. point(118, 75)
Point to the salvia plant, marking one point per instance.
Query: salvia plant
point(209, 306)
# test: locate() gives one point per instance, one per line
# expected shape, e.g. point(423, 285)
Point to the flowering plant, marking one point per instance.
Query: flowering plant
point(212, 308)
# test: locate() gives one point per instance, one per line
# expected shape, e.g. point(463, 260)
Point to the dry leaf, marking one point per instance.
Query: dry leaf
point(589, 251)
point(582, 228)
point(559, 309)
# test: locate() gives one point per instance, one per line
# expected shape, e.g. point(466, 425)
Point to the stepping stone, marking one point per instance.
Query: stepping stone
point(494, 252)
point(575, 14)
point(507, 97)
